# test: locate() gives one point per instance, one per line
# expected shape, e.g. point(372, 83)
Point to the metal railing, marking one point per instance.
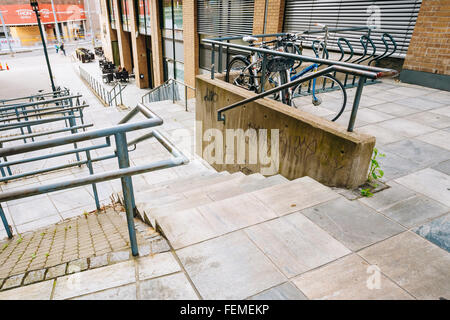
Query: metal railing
point(364, 72)
point(169, 90)
point(27, 115)
point(37, 97)
point(366, 51)
point(109, 97)
point(121, 152)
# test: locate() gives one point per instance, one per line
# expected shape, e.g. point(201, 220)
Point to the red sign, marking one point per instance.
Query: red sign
point(17, 14)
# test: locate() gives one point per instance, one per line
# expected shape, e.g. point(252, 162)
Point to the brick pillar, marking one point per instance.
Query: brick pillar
point(191, 44)
point(274, 19)
point(107, 33)
point(157, 52)
point(139, 51)
point(428, 60)
point(123, 39)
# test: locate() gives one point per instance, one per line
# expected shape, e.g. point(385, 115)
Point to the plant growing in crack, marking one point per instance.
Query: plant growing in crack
point(375, 173)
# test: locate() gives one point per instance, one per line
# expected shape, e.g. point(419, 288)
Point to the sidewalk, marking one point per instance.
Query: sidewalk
point(299, 241)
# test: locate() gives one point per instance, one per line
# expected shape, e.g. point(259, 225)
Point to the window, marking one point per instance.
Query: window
point(222, 18)
point(112, 14)
point(172, 38)
point(144, 17)
point(126, 16)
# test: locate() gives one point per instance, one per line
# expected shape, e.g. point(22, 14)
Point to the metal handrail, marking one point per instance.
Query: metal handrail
point(105, 95)
point(171, 80)
point(34, 96)
point(39, 102)
point(363, 75)
point(121, 152)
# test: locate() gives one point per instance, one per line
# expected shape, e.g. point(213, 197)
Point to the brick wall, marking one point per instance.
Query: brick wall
point(429, 50)
point(275, 16)
point(191, 43)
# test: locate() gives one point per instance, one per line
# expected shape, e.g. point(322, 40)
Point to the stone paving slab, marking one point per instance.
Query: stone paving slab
point(157, 265)
point(438, 138)
point(212, 220)
point(395, 166)
point(295, 244)
point(437, 231)
point(172, 287)
point(127, 292)
point(388, 197)
point(414, 263)
point(429, 182)
point(352, 223)
point(37, 291)
point(431, 119)
point(347, 279)
point(416, 210)
point(296, 195)
point(220, 267)
point(94, 280)
point(285, 291)
point(406, 128)
point(443, 167)
point(417, 151)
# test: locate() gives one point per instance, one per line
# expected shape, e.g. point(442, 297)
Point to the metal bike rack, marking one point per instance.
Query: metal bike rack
point(364, 72)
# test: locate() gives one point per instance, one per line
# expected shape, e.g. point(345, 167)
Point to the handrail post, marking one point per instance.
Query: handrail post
point(359, 90)
point(120, 90)
point(185, 98)
point(91, 172)
point(5, 222)
point(173, 92)
point(213, 57)
point(127, 189)
point(220, 59)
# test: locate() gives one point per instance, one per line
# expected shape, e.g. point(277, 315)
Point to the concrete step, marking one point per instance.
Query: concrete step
point(186, 227)
point(172, 192)
point(204, 195)
point(154, 198)
point(184, 185)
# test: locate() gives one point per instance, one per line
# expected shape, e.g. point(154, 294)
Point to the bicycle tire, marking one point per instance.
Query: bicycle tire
point(336, 109)
point(293, 48)
point(245, 63)
point(285, 92)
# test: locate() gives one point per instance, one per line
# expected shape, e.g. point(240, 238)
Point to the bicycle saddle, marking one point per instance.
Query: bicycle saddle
point(249, 39)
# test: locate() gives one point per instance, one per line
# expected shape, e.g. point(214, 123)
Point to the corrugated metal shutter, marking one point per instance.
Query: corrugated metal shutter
point(397, 17)
point(225, 17)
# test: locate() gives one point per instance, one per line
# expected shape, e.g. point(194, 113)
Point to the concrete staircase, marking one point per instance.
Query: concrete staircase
point(208, 204)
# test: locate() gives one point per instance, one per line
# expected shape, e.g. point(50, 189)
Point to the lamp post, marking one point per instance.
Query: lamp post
point(35, 7)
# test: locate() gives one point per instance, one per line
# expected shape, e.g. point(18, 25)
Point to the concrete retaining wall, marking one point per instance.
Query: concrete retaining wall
point(307, 145)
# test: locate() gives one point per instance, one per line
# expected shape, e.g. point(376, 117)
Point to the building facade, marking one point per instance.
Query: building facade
point(69, 16)
point(161, 39)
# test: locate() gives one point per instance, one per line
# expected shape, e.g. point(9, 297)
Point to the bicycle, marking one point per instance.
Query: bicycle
point(318, 91)
point(245, 71)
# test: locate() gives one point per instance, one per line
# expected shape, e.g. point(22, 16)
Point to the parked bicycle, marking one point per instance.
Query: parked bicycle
point(325, 91)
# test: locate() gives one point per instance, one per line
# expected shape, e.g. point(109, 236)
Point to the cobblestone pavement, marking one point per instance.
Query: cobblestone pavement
point(88, 241)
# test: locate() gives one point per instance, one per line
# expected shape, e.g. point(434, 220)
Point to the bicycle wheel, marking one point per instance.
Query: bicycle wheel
point(325, 98)
point(295, 49)
point(239, 75)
